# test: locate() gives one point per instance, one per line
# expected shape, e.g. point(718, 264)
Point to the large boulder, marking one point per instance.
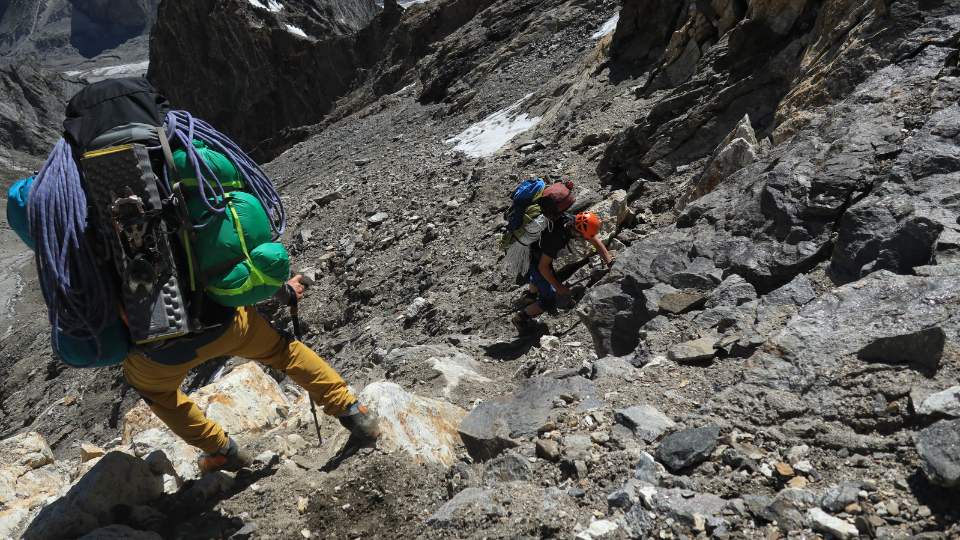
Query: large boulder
point(424, 428)
point(882, 318)
point(246, 400)
point(939, 449)
point(29, 477)
point(117, 479)
point(904, 222)
point(495, 425)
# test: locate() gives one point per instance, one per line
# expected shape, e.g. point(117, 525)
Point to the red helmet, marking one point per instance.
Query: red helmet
point(588, 224)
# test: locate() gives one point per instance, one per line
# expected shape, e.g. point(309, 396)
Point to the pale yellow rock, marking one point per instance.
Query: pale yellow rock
point(90, 451)
point(244, 401)
point(29, 477)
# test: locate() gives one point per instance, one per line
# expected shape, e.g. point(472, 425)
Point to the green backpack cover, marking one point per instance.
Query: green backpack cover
point(234, 250)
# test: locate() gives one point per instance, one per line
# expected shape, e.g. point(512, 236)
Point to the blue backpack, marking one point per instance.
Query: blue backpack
point(523, 196)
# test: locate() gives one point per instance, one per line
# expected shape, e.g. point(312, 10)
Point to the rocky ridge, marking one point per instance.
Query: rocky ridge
point(774, 353)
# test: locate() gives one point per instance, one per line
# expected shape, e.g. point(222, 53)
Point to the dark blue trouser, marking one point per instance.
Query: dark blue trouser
point(547, 296)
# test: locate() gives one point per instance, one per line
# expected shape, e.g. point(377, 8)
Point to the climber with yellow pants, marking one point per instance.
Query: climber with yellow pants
point(154, 236)
point(158, 374)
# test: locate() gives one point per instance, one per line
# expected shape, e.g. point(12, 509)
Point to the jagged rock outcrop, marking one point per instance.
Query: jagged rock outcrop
point(723, 61)
point(777, 217)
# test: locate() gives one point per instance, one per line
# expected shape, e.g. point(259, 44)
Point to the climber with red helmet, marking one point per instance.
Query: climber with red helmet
point(544, 283)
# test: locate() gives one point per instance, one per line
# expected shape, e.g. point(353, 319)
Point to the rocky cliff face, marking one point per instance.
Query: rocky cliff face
point(278, 65)
point(774, 353)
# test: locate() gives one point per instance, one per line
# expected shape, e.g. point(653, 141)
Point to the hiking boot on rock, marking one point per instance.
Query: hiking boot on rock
point(522, 322)
point(228, 458)
point(361, 422)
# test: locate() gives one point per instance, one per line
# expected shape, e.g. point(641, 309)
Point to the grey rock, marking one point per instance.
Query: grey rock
point(697, 350)
point(687, 448)
point(938, 270)
point(494, 425)
point(939, 449)
point(621, 498)
point(378, 218)
point(681, 302)
point(328, 197)
point(507, 467)
point(687, 506)
point(612, 367)
point(647, 470)
point(732, 291)
point(646, 421)
point(838, 497)
point(577, 447)
point(921, 349)
point(945, 403)
point(614, 318)
point(247, 532)
point(470, 500)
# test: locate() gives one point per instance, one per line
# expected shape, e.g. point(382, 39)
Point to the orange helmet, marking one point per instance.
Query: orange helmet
point(588, 224)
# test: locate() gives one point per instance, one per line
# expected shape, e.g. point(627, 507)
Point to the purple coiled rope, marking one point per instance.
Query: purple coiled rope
point(182, 129)
point(80, 300)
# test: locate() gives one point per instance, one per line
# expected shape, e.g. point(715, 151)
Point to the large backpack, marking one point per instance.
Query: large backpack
point(534, 207)
point(139, 214)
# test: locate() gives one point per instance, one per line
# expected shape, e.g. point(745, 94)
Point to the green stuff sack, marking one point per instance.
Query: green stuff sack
point(217, 163)
point(234, 252)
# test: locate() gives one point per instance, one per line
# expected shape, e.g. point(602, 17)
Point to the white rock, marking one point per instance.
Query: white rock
point(422, 427)
point(549, 343)
point(245, 400)
point(823, 522)
point(945, 403)
point(598, 529)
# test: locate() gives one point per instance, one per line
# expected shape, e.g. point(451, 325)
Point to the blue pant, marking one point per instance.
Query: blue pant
point(546, 294)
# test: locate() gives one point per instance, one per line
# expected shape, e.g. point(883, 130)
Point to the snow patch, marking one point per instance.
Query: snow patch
point(297, 31)
point(108, 72)
point(272, 5)
point(607, 27)
point(408, 3)
point(403, 90)
point(490, 134)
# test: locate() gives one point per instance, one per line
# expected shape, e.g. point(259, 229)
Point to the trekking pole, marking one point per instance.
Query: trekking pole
point(295, 318)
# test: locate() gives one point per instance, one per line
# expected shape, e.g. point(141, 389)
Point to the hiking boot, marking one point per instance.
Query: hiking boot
point(361, 422)
point(228, 458)
point(522, 322)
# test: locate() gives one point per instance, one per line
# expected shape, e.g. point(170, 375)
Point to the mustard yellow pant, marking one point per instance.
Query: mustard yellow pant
point(249, 336)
